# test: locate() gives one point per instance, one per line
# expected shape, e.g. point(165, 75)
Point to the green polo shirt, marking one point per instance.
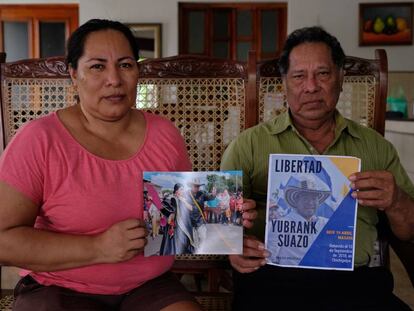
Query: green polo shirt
point(250, 151)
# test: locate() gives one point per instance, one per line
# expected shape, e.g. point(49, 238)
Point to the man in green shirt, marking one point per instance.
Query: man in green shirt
point(312, 68)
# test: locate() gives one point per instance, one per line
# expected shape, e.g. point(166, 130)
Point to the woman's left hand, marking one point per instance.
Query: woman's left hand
point(249, 213)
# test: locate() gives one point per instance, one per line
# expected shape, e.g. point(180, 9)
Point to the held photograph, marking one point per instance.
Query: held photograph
point(193, 212)
point(387, 23)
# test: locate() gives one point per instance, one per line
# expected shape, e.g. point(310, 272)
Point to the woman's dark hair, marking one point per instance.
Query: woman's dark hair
point(308, 35)
point(76, 42)
point(176, 187)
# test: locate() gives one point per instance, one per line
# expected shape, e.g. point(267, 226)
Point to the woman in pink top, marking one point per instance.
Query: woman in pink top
point(71, 203)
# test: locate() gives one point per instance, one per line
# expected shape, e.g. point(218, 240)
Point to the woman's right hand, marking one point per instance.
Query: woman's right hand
point(122, 241)
point(254, 256)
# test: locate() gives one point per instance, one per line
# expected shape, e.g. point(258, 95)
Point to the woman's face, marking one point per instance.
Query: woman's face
point(107, 75)
point(179, 192)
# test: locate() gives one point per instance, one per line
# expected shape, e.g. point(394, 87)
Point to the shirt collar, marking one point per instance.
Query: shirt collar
point(343, 124)
point(284, 121)
point(281, 123)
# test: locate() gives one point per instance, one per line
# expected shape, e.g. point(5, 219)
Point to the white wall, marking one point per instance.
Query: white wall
point(401, 134)
point(340, 17)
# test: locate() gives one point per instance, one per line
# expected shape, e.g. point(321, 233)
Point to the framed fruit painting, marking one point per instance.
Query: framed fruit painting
point(386, 23)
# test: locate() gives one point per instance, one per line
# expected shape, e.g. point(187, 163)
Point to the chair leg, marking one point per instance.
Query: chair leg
point(198, 282)
point(213, 280)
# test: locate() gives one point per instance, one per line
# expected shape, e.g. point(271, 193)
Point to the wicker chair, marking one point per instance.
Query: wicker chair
point(204, 97)
point(6, 303)
point(210, 101)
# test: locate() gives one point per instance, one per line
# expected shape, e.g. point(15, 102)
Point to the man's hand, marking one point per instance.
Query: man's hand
point(122, 241)
point(379, 190)
point(375, 189)
point(254, 256)
point(249, 213)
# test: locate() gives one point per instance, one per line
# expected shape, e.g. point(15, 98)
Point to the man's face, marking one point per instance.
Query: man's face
point(195, 188)
point(307, 205)
point(313, 82)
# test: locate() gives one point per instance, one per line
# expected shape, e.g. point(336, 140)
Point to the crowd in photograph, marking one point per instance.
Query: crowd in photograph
point(219, 206)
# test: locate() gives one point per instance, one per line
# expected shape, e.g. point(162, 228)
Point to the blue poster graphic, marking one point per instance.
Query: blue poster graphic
point(311, 215)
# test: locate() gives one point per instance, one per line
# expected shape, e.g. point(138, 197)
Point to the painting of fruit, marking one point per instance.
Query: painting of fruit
point(379, 25)
point(386, 23)
point(401, 24)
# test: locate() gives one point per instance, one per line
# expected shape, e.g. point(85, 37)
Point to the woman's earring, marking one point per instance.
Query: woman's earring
point(75, 94)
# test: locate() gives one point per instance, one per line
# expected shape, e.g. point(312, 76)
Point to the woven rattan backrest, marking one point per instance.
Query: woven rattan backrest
point(205, 97)
point(32, 88)
point(362, 98)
